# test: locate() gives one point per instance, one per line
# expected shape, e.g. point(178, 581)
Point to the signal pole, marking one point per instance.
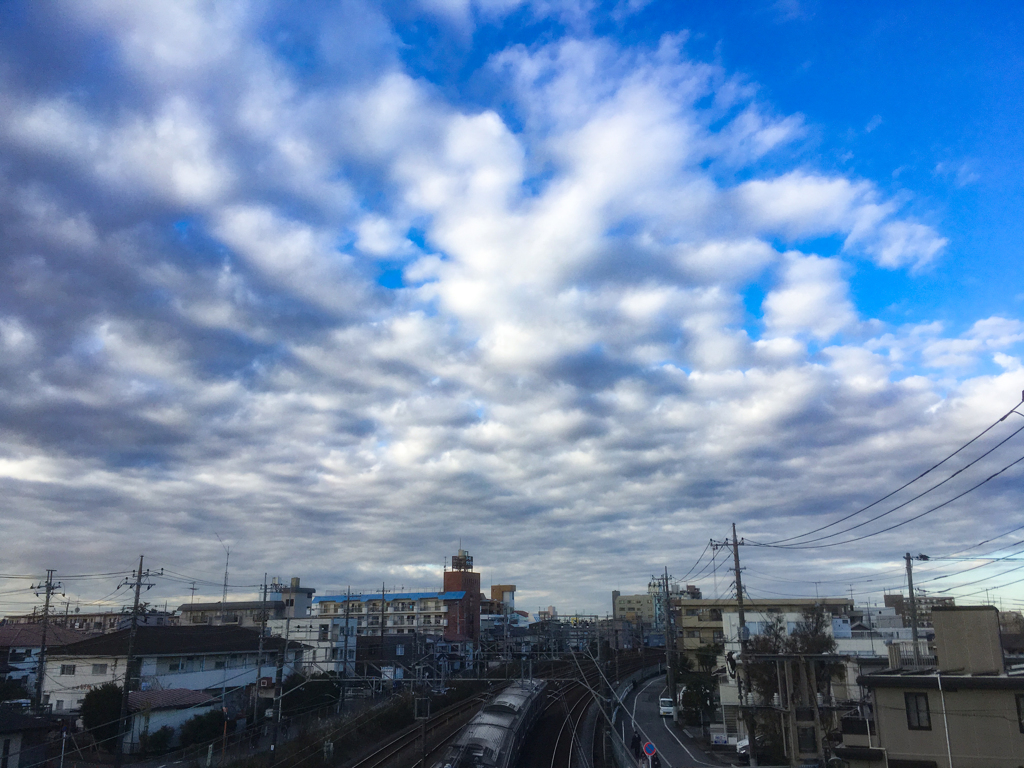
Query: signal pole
point(49, 587)
point(126, 690)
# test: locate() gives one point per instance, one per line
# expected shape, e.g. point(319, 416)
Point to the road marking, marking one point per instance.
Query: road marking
point(673, 735)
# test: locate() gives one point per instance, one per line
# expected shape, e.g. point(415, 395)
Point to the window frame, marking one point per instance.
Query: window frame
point(1020, 711)
point(67, 670)
point(914, 712)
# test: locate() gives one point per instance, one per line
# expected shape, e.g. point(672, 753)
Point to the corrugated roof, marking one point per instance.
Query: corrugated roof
point(31, 635)
point(173, 698)
point(392, 597)
point(176, 641)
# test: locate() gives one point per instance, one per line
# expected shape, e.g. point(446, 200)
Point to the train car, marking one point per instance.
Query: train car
point(494, 737)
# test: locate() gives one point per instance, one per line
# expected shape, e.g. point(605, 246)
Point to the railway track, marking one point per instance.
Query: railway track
point(557, 740)
point(440, 729)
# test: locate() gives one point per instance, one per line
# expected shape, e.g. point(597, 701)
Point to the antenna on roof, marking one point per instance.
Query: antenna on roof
point(227, 559)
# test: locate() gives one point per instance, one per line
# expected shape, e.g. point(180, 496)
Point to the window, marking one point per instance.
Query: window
point(399, 650)
point(99, 669)
point(219, 664)
point(1020, 711)
point(66, 669)
point(918, 716)
point(60, 703)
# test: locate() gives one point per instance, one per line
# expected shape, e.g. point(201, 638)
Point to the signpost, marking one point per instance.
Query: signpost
point(650, 751)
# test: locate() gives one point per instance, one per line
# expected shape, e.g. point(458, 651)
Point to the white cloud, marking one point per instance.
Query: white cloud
point(812, 299)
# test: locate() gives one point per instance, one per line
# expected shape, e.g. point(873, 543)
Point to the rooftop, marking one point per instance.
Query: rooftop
point(175, 641)
point(174, 698)
point(31, 635)
point(392, 597)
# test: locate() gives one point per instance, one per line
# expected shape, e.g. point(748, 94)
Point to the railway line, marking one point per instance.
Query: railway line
point(556, 740)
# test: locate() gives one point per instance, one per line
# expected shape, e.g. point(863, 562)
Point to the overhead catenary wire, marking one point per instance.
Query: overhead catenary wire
point(911, 482)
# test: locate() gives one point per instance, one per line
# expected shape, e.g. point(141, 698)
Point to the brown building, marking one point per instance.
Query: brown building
point(463, 617)
point(967, 711)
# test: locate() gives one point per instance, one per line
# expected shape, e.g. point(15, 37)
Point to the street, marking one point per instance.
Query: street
point(676, 749)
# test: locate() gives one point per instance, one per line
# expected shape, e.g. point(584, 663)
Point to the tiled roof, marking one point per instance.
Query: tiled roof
point(174, 698)
point(31, 635)
point(176, 641)
point(392, 597)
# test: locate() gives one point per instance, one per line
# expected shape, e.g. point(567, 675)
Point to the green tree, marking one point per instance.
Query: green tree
point(202, 728)
point(707, 656)
point(101, 709)
point(157, 741)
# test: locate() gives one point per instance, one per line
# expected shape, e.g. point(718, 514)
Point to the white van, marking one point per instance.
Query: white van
point(665, 706)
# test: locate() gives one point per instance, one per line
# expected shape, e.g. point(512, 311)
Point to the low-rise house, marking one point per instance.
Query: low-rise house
point(149, 711)
point(22, 738)
point(20, 645)
point(223, 661)
point(965, 710)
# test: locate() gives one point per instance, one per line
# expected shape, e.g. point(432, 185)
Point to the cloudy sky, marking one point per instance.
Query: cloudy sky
point(577, 284)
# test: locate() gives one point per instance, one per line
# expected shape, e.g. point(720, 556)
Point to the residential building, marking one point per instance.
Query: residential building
point(331, 646)
point(19, 650)
point(286, 601)
point(223, 661)
point(633, 608)
point(23, 738)
point(700, 622)
point(402, 613)
point(149, 711)
point(94, 622)
point(967, 710)
point(924, 605)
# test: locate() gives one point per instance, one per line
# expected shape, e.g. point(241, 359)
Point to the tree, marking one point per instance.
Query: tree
point(201, 728)
point(157, 741)
point(12, 689)
point(307, 694)
point(101, 711)
point(707, 656)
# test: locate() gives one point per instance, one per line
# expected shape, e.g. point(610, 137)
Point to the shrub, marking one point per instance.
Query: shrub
point(205, 727)
point(101, 709)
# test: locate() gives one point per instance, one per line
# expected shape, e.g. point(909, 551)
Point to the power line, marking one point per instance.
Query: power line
point(911, 482)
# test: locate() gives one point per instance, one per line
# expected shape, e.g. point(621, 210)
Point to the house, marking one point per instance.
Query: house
point(19, 649)
point(149, 711)
point(223, 661)
point(22, 738)
point(965, 710)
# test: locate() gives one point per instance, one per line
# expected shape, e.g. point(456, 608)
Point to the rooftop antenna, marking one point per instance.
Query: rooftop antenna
point(227, 559)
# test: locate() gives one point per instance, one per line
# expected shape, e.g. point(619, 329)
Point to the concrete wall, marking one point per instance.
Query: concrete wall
point(983, 728)
point(967, 640)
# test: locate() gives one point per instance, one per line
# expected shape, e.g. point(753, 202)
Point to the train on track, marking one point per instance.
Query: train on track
point(495, 736)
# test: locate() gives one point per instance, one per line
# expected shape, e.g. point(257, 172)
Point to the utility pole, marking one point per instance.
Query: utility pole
point(122, 721)
point(670, 647)
point(259, 656)
point(49, 587)
point(742, 679)
point(279, 684)
point(913, 604)
point(344, 663)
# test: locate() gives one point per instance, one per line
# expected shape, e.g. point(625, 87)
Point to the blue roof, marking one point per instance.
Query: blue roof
point(391, 597)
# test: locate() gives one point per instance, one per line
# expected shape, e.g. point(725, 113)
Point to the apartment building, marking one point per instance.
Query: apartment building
point(700, 622)
point(442, 614)
point(284, 601)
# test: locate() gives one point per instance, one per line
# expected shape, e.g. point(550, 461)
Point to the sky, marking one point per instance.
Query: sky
point(576, 285)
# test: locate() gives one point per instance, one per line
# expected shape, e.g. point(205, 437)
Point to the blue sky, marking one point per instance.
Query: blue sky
point(577, 284)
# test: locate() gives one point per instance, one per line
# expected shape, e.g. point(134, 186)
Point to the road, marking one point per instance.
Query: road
point(676, 749)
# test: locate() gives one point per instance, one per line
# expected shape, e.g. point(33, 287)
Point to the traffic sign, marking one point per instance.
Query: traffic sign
point(649, 749)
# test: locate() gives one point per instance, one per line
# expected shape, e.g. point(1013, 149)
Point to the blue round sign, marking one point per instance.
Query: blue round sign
point(649, 749)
